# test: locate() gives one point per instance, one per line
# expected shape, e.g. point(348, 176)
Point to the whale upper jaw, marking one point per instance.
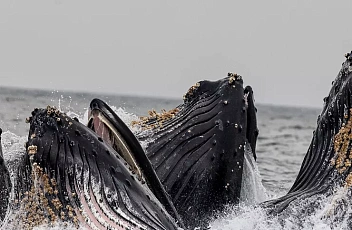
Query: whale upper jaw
point(101, 125)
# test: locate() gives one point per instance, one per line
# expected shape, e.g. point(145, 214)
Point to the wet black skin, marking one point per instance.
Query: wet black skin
point(67, 148)
point(5, 184)
point(317, 175)
point(198, 154)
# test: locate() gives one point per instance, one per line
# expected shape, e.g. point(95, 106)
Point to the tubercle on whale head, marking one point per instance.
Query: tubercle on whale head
point(155, 119)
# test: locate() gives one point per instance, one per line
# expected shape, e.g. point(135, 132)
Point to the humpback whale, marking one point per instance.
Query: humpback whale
point(69, 174)
point(326, 169)
point(198, 148)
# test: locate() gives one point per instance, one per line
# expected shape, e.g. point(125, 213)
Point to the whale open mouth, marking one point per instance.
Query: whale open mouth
point(106, 130)
point(108, 126)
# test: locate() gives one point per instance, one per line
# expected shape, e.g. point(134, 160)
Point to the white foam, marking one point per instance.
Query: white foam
point(325, 212)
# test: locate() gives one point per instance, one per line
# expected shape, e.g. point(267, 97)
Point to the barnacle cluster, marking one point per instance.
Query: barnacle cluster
point(343, 157)
point(155, 120)
point(233, 77)
point(348, 180)
point(41, 204)
point(191, 91)
point(51, 110)
point(32, 149)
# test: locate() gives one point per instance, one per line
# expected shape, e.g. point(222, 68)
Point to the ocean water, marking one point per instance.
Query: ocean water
point(284, 137)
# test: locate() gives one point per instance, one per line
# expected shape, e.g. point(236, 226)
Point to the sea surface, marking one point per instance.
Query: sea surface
point(284, 137)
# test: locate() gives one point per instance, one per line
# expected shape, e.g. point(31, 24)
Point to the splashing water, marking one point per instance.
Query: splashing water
point(252, 189)
point(254, 217)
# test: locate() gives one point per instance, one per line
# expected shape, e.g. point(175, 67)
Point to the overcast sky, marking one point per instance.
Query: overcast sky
point(288, 51)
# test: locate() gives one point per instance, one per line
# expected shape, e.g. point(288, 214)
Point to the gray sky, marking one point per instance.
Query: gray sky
point(288, 51)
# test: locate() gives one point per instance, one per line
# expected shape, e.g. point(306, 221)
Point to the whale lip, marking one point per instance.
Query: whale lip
point(104, 121)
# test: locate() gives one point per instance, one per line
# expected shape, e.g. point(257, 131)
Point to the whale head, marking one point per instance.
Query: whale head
point(198, 148)
point(78, 178)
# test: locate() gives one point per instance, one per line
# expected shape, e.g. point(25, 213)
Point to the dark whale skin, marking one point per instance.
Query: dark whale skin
point(326, 167)
point(84, 171)
point(198, 153)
